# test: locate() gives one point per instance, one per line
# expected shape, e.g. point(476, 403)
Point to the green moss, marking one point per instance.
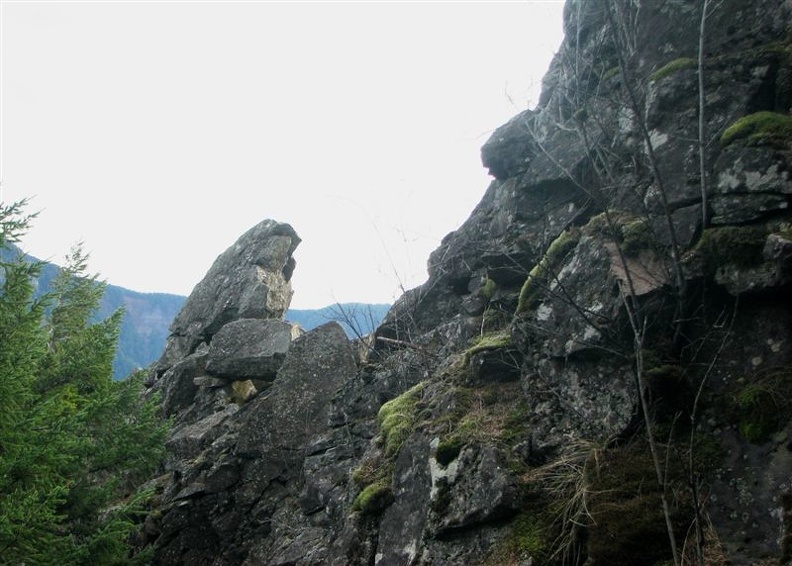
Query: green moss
point(771, 127)
point(371, 471)
point(785, 232)
point(609, 224)
point(528, 533)
point(489, 288)
point(495, 414)
point(495, 319)
point(597, 226)
point(610, 73)
point(516, 421)
point(526, 542)
point(539, 275)
point(737, 245)
point(708, 454)
point(397, 418)
point(360, 477)
point(632, 232)
point(674, 67)
point(374, 498)
point(628, 525)
point(491, 341)
point(448, 450)
point(637, 235)
point(762, 405)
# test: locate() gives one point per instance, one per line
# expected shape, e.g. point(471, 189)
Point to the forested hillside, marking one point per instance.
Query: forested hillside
point(144, 326)
point(74, 443)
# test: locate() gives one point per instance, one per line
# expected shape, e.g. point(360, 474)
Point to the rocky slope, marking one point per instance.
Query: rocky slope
point(596, 371)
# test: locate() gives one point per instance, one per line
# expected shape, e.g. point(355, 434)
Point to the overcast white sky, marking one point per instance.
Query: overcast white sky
point(158, 132)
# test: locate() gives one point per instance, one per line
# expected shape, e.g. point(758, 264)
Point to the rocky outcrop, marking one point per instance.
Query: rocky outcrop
point(606, 315)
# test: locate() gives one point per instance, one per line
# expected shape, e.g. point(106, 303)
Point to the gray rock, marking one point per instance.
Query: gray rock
point(480, 490)
point(404, 522)
point(508, 151)
point(251, 279)
point(249, 348)
point(177, 384)
point(297, 405)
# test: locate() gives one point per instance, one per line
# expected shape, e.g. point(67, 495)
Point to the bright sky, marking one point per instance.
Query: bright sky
point(158, 132)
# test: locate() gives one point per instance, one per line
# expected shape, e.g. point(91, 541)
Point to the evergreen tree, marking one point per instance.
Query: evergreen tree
point(74, 444)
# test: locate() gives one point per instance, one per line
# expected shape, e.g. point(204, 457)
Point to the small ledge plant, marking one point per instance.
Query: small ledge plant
point(762, 405)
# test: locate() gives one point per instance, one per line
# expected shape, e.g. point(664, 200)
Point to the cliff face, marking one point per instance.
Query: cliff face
point(597, 369)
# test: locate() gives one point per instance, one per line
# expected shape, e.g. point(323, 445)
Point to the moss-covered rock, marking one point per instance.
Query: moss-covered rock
point(448, 450)
point(674, 66)
point(397, 418)
point(538, 277)
point(762, 404)
point(487, 342)
point(769, 127)
point(736, 245)
point(637, 235)
point(526, 542)
point(489, 288)
point(628, 526)
point(374, 498)
point(632, 232)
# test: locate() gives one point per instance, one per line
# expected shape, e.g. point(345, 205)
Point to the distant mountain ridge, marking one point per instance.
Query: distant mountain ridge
point(148, 316)
point(144, 327)
point(357, 319)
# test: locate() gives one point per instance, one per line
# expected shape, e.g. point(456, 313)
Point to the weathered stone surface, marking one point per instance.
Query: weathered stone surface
point(591, 398)
point(177, 384)
point(251, 279)
point(508, 151)
point(239, 471)
point(570, 317)
point(186, 443)
point(403, 523)
point(249, 348)
point(297, 405)
point(481, 489)
point(741, 208)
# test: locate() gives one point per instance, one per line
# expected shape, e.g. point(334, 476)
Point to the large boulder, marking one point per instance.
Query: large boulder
point(297, 405)
point(249, 348)
point(251, 279)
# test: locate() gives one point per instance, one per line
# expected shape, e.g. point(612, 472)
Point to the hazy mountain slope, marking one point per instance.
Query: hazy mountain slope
point(357, 319)
point(144, 329)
